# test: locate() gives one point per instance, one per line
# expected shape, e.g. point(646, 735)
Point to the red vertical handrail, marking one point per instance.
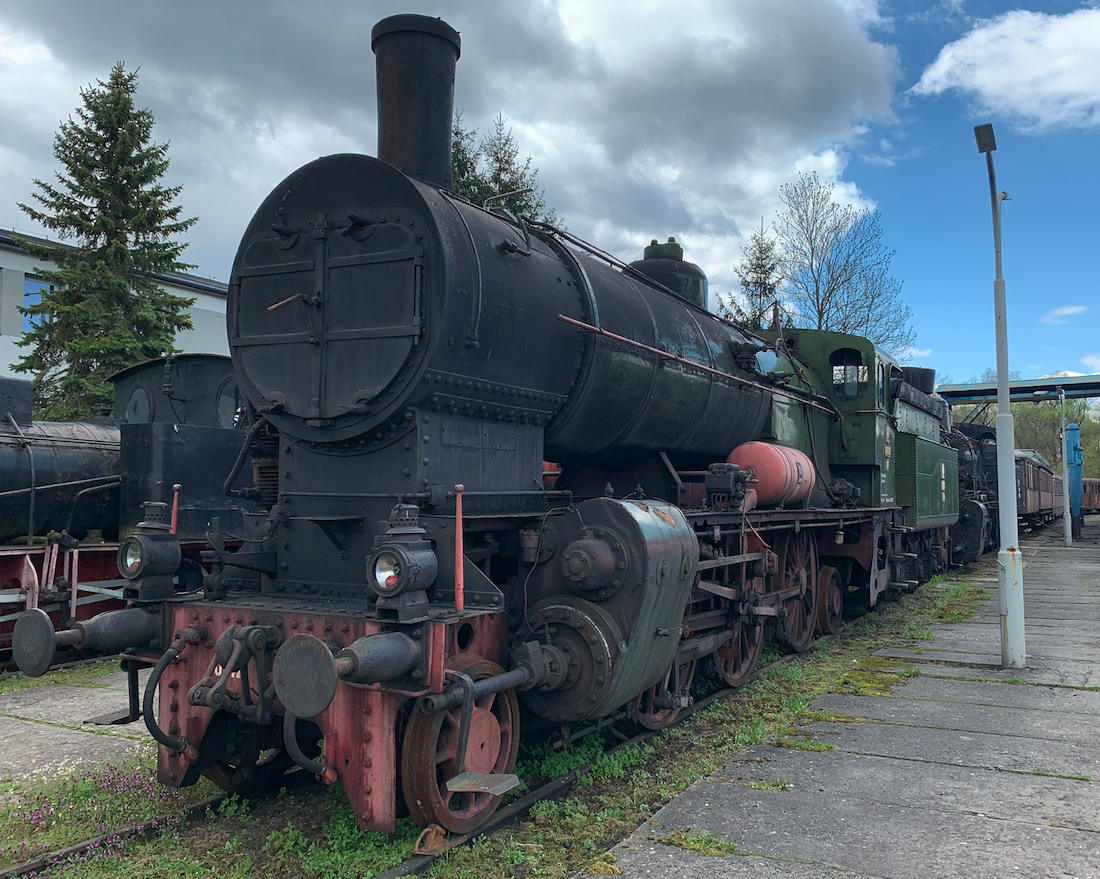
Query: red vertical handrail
point(175, 506)
point(459, 557)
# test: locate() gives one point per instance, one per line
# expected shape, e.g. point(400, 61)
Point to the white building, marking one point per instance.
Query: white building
point(20, 286)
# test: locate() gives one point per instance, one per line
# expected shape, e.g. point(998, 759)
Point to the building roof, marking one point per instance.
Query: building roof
point(1032, 389)
point(9, 240)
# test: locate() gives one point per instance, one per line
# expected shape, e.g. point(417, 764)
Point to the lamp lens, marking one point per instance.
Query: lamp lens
point(387, 571)
point(131, 557)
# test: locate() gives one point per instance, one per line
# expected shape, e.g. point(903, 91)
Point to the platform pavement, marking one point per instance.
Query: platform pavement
point(43, 728)
point(945, 778)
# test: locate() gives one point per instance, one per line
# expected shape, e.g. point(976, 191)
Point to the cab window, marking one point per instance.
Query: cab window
point(849, 372)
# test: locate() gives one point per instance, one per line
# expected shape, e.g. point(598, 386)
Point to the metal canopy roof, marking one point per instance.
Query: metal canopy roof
point(1033, 389)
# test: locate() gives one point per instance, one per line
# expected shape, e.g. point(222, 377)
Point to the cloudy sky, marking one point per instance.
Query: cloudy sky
point(647, 119)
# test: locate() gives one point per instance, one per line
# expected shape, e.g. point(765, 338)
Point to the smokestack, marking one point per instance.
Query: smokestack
point(415, 60)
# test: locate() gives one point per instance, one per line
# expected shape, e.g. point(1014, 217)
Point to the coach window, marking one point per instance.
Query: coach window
point(32, 295)
point(849, 372)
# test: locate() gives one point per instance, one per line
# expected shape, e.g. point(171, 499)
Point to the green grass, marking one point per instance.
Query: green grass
point(343, 850)
point(812, 745)
point(61, 807)
point(771, 784)
point(1061, 775)
point(82, 675)
point(961, 600)
point(702, 841)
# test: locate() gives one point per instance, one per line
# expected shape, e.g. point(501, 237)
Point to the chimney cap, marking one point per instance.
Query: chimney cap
point(423, 24)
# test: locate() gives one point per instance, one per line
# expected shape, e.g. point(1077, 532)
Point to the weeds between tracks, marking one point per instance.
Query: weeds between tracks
point(312, 832)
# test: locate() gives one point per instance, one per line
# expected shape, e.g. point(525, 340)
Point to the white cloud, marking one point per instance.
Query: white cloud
point(1060, 315)
point(1038, 69)
point(1092, 361)
point(912, 353)
point(642, 124)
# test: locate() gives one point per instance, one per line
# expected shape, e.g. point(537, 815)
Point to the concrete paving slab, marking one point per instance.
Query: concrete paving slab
point(1084, 633)
point(641, 857)
point(1003, 695)
point(1045, 724)
point(1007, 796)
point(962, 748)
point(70, 706)
point(1067, 674)
point(982, 661)
point(875, 839)
point(1045, 651)
point(31, 748)
point(117, 680)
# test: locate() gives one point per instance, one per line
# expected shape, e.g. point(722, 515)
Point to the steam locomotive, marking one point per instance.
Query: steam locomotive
point(408, 592)
point(1039, 498)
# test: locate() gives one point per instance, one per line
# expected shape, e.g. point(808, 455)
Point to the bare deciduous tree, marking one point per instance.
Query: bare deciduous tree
point(836, 269)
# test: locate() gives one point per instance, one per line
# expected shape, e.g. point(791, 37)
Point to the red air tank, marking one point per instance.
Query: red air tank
point(783, 475)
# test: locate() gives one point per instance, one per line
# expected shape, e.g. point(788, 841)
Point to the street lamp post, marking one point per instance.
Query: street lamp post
point(1010, 569)
point(1067, 515)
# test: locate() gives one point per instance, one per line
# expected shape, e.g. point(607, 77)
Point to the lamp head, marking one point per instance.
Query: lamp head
point(983, 134)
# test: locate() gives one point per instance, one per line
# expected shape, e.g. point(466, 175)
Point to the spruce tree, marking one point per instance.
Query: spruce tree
point(493, 168)
point(759, 272)
point(104, 310)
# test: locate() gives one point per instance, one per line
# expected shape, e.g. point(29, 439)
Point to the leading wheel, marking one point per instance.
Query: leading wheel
point(830, 601)
point(429, 753)
point(798, 575)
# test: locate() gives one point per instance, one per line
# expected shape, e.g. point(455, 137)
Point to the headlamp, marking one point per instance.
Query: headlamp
point(393, 569)
point(130, 558)
point(149, 555)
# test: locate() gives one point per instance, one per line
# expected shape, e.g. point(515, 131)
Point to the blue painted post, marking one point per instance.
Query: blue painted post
point(1074, 461)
